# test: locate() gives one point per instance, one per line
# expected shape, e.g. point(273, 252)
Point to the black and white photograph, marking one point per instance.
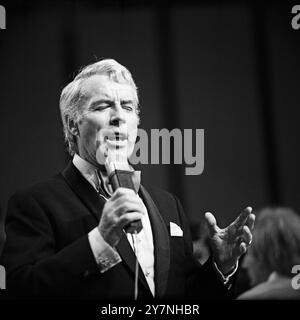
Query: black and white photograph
point(149, 156)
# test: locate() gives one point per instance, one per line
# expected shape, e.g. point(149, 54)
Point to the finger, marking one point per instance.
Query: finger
point(243, 248)
point(250, 221)
point(128, 206)
point(130, 198)
point(134, 226)
point(129, 217)
point(127, 198)
point(242, 218)
point(247, 236)
point(211, 222)
point(120, 192)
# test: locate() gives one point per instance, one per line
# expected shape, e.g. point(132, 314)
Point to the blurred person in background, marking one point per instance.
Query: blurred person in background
point(200, 238)
point(274, 251)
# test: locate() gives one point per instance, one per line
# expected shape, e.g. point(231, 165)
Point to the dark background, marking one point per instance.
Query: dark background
point(230, 67)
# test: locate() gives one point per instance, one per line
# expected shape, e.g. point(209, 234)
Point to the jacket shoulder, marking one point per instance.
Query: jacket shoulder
point(53, 185)
point(159, 193)
point(165, 201)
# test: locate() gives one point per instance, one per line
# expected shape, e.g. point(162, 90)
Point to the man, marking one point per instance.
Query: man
point(66, 237)
point(273, 254)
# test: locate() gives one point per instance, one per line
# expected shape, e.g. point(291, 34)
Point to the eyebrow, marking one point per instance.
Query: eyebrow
point(126, 101)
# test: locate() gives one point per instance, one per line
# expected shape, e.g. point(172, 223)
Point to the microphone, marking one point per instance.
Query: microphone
point(120, 176)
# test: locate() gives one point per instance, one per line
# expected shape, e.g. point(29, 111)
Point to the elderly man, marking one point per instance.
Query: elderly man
point(66, 237)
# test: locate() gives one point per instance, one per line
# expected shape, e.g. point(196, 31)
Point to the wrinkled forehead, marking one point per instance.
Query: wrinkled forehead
point(102, 86)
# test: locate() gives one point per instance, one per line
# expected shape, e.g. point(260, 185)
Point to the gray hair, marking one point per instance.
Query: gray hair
point(276, 239)
point(73, 98)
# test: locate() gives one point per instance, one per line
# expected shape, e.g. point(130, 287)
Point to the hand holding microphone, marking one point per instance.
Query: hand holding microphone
point(120, 176)
point(124, 210)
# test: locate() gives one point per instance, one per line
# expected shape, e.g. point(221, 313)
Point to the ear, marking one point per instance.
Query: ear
point(72, 126)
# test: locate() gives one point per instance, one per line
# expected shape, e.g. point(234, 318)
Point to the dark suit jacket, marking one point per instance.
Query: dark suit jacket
point(47, 252)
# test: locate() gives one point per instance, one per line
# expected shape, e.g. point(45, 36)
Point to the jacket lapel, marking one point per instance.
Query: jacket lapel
point(161, 244)
point(128, 256)
point(83, 189)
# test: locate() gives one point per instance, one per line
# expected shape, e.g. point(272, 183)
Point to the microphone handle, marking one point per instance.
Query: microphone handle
point(123, 179)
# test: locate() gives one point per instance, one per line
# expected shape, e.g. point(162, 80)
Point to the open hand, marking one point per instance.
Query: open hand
point(230, 243)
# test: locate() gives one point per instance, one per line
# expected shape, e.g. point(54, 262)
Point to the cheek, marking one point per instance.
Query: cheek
point(88, 134)
point(89, 130)
point(132, 128)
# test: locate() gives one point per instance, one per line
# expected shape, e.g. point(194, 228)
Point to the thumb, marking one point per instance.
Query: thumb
point(210, 222)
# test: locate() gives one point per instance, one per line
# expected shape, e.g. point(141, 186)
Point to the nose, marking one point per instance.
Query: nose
point(117, 115)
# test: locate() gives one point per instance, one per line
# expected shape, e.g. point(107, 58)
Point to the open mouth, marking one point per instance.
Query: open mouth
point(116, 138)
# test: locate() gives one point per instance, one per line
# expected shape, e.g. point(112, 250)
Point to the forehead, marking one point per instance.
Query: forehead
point(103, 86)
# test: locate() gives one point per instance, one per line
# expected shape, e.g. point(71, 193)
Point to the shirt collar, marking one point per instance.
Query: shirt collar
point(88, 170)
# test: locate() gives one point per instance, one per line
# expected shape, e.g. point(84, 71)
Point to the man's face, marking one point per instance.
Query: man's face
point(108, 122)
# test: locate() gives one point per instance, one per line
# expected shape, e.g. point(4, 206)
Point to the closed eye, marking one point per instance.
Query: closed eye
point(127, 107)
point(100, 105)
